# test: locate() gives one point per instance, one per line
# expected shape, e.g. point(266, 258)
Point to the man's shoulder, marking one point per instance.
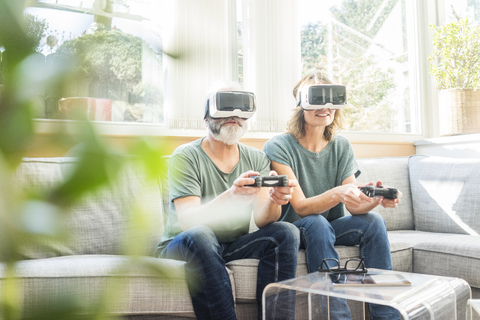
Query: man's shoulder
point(188, 148)
point(250, 151)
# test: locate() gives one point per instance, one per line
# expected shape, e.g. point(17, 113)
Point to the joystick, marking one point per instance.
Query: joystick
point(387, 193)
point(269, 181)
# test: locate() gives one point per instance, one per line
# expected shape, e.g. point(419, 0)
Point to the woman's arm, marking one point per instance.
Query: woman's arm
point(348, 193)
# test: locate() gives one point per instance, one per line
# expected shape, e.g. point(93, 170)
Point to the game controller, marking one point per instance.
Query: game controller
point(269, 181)
point(387, 193)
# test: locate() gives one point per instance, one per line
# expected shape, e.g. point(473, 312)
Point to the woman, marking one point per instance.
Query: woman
point(326, 170)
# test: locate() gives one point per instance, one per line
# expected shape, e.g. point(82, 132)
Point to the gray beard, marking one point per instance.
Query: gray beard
point(228, 135)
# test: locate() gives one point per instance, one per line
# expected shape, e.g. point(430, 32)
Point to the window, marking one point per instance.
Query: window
point(378, 48)
point(364, 45)
point(117, 46)
point(463, 9)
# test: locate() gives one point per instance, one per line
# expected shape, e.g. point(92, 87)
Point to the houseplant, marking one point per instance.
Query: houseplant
point(456, 48)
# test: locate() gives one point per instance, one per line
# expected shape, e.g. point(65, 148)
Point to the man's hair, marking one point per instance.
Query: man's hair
point(219, 85)
point(296, 124)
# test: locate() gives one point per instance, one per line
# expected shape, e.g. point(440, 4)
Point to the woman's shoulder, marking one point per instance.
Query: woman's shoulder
point(280, 139)
point(341, 141)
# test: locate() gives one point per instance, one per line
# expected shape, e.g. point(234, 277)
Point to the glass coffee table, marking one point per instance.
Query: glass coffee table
point(428, 297)
point(473, 310)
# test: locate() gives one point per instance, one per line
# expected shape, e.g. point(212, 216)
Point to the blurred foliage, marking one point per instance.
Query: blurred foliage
point(369, 85)
point(456, 47)
point(98, 164)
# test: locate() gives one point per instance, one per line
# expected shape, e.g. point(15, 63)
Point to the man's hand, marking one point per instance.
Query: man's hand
point(282, 195)
point(241, 194)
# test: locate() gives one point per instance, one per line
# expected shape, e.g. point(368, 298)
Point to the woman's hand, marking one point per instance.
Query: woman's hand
point(388, 203)
point(350, 195)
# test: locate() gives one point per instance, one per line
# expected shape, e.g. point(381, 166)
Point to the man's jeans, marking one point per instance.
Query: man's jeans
point(276, 246)
point(318, 238)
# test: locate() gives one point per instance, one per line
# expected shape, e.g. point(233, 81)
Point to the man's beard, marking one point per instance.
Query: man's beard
point(227, 134)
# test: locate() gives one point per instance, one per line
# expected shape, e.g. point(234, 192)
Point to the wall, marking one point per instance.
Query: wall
point(42, 145)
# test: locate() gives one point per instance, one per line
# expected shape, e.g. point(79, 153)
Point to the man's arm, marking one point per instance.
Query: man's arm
point(191, 212)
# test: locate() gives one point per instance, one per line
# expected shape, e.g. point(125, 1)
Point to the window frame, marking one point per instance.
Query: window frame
point(424, 13)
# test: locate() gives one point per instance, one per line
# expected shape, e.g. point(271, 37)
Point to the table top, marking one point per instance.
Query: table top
point(423, 288)
point(475, 303)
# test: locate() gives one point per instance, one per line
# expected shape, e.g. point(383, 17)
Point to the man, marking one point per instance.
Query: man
point(211, 207)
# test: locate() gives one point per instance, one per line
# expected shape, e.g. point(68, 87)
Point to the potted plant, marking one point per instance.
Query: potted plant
point(456, 48)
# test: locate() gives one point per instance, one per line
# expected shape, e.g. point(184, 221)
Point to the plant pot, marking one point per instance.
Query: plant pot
point(76, 108)
point(459, 111)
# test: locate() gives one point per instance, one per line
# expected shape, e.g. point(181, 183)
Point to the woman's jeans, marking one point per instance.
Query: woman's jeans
point(368, 231)
point(275, 245)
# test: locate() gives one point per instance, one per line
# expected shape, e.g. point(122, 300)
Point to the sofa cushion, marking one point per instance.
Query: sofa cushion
point(245, 270)
point(445, 194)
point(452, 256)
point(393, 172)
point(135, 287)
point(101, 222)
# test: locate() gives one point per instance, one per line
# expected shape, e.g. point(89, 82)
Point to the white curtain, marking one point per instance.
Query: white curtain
point(199, 41)
point(200, 45)
point(271, 60)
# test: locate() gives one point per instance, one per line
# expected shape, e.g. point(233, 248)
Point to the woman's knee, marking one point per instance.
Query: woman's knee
point(316, 223)
point(286, 230)
point(376, 219)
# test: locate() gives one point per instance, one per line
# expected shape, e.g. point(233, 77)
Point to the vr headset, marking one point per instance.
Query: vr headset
point(318, 96)
point(224, 104)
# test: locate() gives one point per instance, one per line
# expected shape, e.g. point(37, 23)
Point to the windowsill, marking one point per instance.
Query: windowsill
point(459, 146)
point(132, 129)
point(464, 138)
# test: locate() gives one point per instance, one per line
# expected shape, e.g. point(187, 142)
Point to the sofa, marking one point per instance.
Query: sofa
point(435, 230)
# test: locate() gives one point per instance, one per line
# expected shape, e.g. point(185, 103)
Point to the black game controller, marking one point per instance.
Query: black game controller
point(387, 193)
point(269, 181)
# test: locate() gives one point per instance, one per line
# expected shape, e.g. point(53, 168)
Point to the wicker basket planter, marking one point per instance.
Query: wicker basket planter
point(459, 111)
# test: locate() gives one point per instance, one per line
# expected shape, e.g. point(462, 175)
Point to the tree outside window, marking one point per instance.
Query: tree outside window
point(363, 44)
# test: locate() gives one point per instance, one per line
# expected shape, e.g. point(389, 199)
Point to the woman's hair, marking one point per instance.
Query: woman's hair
point(296, 124)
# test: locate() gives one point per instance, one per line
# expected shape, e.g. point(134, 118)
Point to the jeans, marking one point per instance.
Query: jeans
point(368, 231)
point(275, 245)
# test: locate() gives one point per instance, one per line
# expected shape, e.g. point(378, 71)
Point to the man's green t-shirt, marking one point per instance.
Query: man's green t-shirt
point(192, 173)
point(316, 172)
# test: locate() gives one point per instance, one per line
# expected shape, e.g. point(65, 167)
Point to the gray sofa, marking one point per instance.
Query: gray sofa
point(435, 230)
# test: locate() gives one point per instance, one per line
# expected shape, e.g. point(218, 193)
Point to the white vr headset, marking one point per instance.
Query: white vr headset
point(319, 96)
point(224, 104)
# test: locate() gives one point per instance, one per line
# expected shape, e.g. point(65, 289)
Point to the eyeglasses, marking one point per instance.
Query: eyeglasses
point(352, 266)
point(348, 278)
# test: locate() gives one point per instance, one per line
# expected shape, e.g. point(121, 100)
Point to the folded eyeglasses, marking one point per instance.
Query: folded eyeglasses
point(352, 266)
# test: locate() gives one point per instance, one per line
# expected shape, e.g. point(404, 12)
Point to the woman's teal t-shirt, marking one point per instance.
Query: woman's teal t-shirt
point(316, 172)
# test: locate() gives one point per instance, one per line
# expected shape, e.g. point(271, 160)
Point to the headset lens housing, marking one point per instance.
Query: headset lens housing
point(331, 96)
point(223, 104)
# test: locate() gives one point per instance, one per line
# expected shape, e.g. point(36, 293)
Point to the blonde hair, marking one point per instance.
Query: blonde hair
point(296, 124)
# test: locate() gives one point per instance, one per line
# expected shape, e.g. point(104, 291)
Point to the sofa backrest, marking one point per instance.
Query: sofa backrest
point(393, 172)
point(101, 222)
point(446, 194)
